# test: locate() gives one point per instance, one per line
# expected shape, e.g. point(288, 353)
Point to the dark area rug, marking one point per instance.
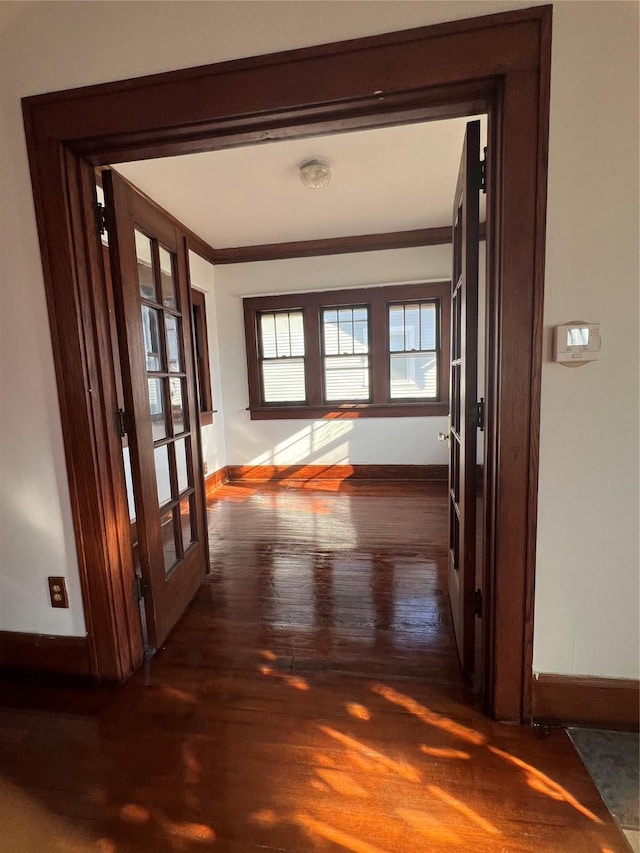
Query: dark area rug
point(612, 759)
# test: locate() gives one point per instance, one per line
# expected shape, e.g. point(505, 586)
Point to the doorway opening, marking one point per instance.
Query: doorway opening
point(498, 65)
point(399, 338)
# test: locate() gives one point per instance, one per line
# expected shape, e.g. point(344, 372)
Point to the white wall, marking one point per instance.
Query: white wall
point(372, 441)
point(214, 452)
point(587, 567)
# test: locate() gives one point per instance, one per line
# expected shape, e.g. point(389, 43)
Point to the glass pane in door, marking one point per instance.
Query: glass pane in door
point(177, 405)
point(168, 530)
point(172, 327)
point(187, 523)
point(156, 408)
point(163, 479)
point(128, 479)
point(144, 256)
point(151, 336)
point(167, 280)
point(182, 472)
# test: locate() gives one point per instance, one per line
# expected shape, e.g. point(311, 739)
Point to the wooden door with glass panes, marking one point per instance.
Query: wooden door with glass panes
point(153, 317)
point(464, 420)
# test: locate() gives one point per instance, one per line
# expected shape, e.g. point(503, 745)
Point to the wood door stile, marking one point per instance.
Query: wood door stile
point(463, 418)
point(498, 64)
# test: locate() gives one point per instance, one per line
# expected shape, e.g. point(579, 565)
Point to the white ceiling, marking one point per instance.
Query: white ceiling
point(392, 179)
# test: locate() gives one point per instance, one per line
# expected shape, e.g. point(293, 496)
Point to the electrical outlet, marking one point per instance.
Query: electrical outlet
point(58, 592)
point(206, 467)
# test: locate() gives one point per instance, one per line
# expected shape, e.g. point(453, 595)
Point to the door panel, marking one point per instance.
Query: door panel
point(463, 431)
point(153, 316)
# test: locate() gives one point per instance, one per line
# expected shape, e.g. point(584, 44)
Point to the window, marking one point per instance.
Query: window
point(345, 353)
point(282, 357)
point(373, 351)
point(201, 350)
point(413, 353)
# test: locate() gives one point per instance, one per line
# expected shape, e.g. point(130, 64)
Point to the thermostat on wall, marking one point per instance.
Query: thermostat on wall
point(577, 342)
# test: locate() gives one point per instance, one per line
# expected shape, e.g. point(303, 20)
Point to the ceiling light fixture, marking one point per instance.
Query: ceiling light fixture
point(315, 174)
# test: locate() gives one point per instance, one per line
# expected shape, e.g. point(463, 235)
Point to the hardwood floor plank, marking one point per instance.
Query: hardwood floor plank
point(309, 700)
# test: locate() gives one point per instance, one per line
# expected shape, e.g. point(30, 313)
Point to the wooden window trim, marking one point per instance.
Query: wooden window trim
point(377, 299)
point(203, 367)
point(441, 347)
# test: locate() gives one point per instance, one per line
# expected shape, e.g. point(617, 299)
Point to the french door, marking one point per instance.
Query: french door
point(153, 317)
point(464, 414)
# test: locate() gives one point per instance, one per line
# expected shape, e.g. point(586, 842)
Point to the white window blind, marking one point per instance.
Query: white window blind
point(282, 357)
point(346, 353)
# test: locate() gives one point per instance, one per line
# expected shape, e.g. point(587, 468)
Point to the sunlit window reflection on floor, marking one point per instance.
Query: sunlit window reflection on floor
point(358, 711)
point(429, 717)
point(542, 783)
point(403, 769)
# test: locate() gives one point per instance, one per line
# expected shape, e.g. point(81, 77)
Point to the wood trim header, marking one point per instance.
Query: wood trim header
point(328, 88)
point(508, 20)
point(334, 246)
point(440, 236)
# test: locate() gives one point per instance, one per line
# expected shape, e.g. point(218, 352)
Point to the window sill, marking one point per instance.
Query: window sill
point(206, 418)
point(349, 410)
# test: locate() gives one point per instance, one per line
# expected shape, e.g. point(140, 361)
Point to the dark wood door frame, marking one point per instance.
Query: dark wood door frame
point(500, 64)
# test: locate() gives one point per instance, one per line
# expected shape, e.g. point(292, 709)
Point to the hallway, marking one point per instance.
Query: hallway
point(309, 700)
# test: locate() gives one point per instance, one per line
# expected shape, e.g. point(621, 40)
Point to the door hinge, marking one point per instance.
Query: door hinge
point(140, 588)
point(483, 173)
point(123, 423)
point(102, 217)
point(477, 603)
point(477, 415)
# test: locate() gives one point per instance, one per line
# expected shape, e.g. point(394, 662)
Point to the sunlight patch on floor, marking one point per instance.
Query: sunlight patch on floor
point(443, 752)
point(430, 717)
point(543, 784)
point(294, 681)
point(358, 711)
point(343, 783)
point(402, 769)
point(463, 809)
point(315, 827)
point(134, 813)
point(427, 826)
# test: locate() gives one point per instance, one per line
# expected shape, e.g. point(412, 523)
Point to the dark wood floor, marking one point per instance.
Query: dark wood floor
point(310, 700)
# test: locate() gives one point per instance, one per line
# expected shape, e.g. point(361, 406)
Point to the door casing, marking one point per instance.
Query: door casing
point(499, 64)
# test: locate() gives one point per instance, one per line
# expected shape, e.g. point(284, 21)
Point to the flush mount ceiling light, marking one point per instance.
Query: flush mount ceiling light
point(315, 174)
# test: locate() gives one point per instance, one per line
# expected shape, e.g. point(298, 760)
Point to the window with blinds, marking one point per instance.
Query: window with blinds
point(345, 333)
point(282, 354)
point(361, 352)
point(413, 355)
